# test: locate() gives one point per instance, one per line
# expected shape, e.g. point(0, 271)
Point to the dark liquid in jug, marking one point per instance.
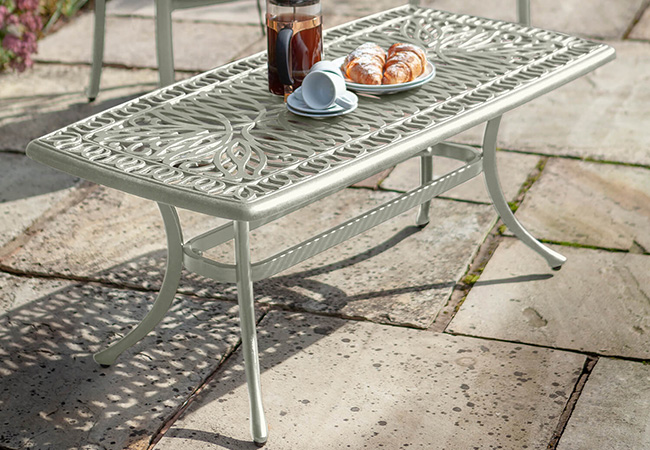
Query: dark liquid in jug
point(306, 47)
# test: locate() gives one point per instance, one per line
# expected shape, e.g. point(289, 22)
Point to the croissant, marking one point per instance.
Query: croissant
point(405, 63)
point(364, 64)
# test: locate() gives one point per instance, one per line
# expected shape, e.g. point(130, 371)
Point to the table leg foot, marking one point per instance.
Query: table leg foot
point(553, 258)
point(165, 297)
point(259, 429)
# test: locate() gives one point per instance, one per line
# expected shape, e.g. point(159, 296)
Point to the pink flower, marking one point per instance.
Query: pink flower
point(4, 12)
point(29, 44)
point(27, 5)
point(12, 43)
point(31, 21)
point(12, 19)
point(19, 64)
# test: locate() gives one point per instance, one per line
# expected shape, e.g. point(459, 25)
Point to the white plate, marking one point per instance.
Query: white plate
point(296, 105)
point(381, 89)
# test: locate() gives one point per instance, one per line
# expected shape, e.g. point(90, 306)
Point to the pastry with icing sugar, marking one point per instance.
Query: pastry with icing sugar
point(365, 64)
point(405, 63)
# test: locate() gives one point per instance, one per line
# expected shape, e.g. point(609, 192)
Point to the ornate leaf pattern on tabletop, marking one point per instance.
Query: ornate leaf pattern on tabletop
point(223, 135)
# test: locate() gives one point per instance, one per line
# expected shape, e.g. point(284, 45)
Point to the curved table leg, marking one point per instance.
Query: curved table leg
point(554, 259)
point(426, 175)
point(259, 429)
point(166, 295)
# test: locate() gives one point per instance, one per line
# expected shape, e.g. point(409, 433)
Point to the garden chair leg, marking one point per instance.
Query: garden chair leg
point(98, 49)
point(164, 44)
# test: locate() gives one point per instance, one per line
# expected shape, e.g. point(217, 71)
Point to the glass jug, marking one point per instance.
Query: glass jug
point(295, 42)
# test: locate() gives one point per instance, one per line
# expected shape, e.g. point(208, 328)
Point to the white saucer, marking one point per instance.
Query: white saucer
point(429, 73)
point(297, 105)
point(322, 115)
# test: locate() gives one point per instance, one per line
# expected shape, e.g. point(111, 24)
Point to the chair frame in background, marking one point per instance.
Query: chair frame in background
point(164, 44)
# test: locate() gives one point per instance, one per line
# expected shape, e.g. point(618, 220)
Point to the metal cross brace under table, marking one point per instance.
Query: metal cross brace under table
point(221, 144)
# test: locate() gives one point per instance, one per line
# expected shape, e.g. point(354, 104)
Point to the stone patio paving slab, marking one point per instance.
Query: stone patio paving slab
point(242, 12)
point(51, 96)
point(603, 205)
point(130, 41)
point(598, 18)
point(53, 395)
point(601, 116)
point(27, 191)
point(395, 273)
point(329, 383)
point(597, 303)
point(514, 169)
point(642, 29)
point(613, 411)
point(106, 229)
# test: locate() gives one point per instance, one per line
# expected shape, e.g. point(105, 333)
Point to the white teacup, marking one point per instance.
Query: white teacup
point(326, 66)
point(322, 89)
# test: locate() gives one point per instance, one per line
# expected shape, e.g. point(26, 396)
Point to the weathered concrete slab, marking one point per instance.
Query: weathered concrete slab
point(106, 229)
point(50, 96)
point(130, 42)
point(604, 205)
point(601, 18)
point(54, 395)
point(602, 115)
point(514, 169)
point(27, 191)
point(613, 410)
point(240, 12)
point(642, 29)
point(597, 303)
point(394, 273)
point(17, 292)
point(340, 384)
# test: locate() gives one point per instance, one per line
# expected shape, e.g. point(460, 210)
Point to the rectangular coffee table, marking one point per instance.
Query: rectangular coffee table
point(221, 144)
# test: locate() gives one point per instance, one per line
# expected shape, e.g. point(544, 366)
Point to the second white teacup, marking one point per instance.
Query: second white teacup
point(322, 89)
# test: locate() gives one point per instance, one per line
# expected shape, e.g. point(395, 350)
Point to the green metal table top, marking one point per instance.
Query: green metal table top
point(221, 144)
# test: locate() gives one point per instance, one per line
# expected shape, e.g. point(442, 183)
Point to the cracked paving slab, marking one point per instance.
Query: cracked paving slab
point(53, 395)
point(396, 272)
point(339, 384)
point(598, 303)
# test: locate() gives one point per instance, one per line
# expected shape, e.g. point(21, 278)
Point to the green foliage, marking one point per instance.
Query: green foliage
point(470, 279)
point(53, 10)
